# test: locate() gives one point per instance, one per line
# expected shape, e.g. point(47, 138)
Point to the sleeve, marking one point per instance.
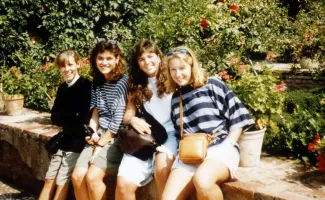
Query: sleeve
point(230, 106)
point(56, 117)
point(84, 109)
point(120, 106)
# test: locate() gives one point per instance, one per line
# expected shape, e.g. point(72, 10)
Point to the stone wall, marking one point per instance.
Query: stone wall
point(303, 79)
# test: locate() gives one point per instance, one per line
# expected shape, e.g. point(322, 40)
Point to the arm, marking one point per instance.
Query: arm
point(137, 123)
point(234, 135)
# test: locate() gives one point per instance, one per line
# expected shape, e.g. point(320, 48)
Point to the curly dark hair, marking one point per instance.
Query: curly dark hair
point(111, 46)
point(138, 80)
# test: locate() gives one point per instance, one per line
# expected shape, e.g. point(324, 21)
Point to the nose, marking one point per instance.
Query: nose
point(146, 60)
point(105, 61)
point(178, 73)
point(66, 67)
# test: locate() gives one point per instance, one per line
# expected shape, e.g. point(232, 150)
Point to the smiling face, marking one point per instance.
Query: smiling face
point(180, 71)
point(149, 63)
point(69, 70)
point(106, 62)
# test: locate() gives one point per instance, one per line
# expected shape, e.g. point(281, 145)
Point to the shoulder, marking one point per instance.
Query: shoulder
point(84, 82)
point(123, 81)
point(215, 81)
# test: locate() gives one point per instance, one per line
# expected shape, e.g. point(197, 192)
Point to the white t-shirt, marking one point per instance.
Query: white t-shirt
point(159, 108)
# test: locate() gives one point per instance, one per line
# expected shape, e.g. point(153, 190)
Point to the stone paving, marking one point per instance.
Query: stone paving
point(277, 178)
point(11, 192)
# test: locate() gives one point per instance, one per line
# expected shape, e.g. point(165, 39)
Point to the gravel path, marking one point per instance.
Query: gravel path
point(11, 192)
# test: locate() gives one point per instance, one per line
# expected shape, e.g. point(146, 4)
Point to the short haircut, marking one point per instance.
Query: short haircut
point(198, 75)
point(63, 57)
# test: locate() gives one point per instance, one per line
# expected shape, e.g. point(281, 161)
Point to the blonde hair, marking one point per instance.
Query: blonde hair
point(63, 57)
point(198, 75)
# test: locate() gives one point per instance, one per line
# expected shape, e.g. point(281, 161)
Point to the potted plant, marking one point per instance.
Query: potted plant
point(263, 95)
point(13, 82)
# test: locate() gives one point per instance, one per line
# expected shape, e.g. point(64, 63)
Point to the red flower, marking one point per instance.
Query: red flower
point(321, 163)
point(224, 75)
point(204, 23)
point(281, 87)
point(222, 1)
point(270, 56)
point(317, 137)
point(243, 68)
point(234, 8)
point(44, 67)
point(311, 147)
point(11, 69)
point(234, 61)
point(17, 73)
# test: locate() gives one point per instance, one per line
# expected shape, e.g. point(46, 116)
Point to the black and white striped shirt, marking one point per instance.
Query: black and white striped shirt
point(209, 109)
point(110, 99)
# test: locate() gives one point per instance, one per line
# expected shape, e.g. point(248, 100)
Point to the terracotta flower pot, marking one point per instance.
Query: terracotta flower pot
point(14, 104)
point(250, 144)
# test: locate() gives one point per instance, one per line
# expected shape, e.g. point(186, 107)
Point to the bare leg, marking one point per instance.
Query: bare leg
point(207, 178)
point(163, 165)
point(179, 185)
point(48, 190)
point(95, 183)
point(125, 189)
point(79, 183)
point(61, 192)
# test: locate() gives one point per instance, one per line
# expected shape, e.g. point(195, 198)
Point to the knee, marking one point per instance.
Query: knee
point(202, 182)
point(124, 187)
point(92, 179)
point(78, 177)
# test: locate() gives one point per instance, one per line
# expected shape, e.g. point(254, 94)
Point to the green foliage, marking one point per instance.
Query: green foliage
point(308, 32)
point(262, 94)
point(216, 30)
point(43, 28)
point(309, 100)
point(296, 128)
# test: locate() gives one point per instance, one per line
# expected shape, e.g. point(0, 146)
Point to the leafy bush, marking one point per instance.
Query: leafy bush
point(308, 35)
point(291, 133)
point(42, 28)
point(309, 100)
point(216, 30)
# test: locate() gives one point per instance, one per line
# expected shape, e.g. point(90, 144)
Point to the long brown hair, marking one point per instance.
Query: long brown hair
point(138, 80)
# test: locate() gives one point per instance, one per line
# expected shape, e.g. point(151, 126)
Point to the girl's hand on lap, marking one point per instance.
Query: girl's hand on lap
point(140, 125)
point(93, 139)
point(95, 153)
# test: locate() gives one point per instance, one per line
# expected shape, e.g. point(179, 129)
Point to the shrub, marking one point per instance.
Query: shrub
point(216, 30)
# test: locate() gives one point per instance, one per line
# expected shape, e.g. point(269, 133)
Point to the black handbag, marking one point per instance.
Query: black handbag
point(139, 145)
point(52, 146)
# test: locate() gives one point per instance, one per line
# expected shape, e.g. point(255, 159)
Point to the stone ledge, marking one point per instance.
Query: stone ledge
point(25, 160)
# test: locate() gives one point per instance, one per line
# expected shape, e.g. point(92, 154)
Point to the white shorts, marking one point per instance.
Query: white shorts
point(140, 172)
point(171, 144)
point(224, 152)
point(135, 170)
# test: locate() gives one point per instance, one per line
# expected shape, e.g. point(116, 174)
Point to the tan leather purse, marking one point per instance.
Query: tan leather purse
point(192, 147)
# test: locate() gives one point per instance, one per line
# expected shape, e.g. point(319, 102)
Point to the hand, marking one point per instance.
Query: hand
point(95, 153)
point(93, 139)
point(140, 125)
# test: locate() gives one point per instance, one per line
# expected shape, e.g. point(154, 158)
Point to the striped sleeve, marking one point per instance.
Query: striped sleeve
point(119, 106)
point(233, 109)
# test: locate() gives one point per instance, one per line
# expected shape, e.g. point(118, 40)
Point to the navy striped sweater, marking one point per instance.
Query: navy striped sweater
point(110, 100)
point(209, 109)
